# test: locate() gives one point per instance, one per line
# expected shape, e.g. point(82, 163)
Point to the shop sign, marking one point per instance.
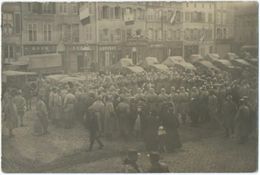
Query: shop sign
point(108, 48)
point(81, 48)
point(156, 45)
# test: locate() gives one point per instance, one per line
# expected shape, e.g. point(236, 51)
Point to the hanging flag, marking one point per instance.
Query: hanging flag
point(172, 20)
point(84, 16)
point(202, 38)
point(129, 18)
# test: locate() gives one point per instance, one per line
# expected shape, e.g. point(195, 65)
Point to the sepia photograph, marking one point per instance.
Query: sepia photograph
point(129, 87)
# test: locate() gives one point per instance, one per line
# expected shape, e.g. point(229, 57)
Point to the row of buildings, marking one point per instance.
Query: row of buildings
point(97, 34)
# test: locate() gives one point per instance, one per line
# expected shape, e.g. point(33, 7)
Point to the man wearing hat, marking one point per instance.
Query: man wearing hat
point(20, 103)
point(229, 110)
point(243, 122)
point(130, 162)
point(156, 165)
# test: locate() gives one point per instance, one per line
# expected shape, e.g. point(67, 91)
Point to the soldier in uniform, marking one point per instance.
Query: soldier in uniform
point(123, 111)
point(243, 122)
point(68, 107)
point(20, 103)
point(94, 130)
point(156, 165)
point(229, 111)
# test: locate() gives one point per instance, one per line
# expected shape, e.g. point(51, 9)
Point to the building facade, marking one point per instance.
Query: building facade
point(116, 30)
point(246, 24)
point(11, 32)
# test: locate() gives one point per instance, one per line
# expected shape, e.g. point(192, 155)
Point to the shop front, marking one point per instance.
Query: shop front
point(174, 48)
point(78, 58)
point(39, 49)
point(135, 49)
point(158, 50)
point(108, 55)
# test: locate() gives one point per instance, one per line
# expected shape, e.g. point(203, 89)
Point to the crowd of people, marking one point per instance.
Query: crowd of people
point(148, 106)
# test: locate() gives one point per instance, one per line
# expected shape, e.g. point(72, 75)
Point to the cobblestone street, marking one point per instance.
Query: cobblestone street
point(64, 150)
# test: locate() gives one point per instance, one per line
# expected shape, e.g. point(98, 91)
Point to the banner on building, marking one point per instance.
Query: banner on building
point(202, 38)
point(173, 16)
point(129, 18)
point(84, 16)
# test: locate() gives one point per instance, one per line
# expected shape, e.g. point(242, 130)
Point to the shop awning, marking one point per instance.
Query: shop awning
point(17, 73)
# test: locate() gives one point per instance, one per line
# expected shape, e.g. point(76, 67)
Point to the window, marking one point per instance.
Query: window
point(63, 7)
point(32, 32)
point(139, 14)
point(17, 23)
point(8, 51)
point(219, 34)
point(75, 33)
point(47, 32)
point(224, 33)
point(105, 10)
point(29, 7)
point(150, 34)
point(194, 5)
point(75, 8)
point(117, 12)
point(159, 35)
point(129, 33)
point(187, 17)
point(88, 32)
point(117, 35)
point(46, 7)
point(8, 23)
point(210, 17)
point(104, 35)
point(187, 4)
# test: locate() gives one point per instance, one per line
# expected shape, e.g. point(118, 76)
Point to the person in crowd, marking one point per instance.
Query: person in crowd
point(156, 165)
point(69, 109)
point(20, 103)
point(123, 111)
point(56, 107)
point(213, 107)
point(110, 118)
point(229, 110)
point(94, 130)
point(99, 107)
point(10, 113)
point(170, 122)
point(41, 122)
point(243, 122)
point(130, 164)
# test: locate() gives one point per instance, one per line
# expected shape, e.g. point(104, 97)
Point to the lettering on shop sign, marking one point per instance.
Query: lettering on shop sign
point(82, 48)
point(156, 45)
point(108, 48)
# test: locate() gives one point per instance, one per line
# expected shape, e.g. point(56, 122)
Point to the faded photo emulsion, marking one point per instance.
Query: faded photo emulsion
point(129, 87)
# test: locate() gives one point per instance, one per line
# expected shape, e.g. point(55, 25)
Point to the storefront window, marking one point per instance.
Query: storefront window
point(117, 12)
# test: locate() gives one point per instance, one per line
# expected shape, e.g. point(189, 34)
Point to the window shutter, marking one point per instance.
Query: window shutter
point(99, 12)
point(17, 23)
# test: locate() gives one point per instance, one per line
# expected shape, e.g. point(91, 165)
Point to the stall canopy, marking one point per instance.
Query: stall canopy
point(43, 62)
point(240, 62)
point(207, 65)
point(178, 61)
point(126, 65)
point(223, 64)
point(195, 58)
point(153, 63)
point(231, 56)
point(212, 56)
point(16, 75)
